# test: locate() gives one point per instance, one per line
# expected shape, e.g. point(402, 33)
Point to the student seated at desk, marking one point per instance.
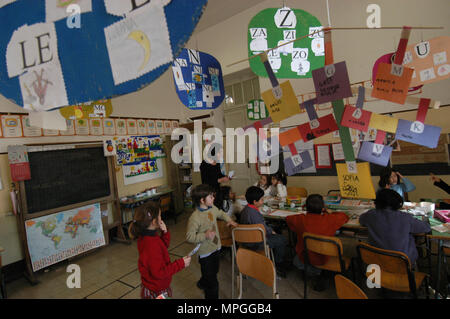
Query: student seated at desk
point(395, 181)
point(391, 229)
point(264, 184)
point(278, 188)
point(251, 215)
point(318, 221)
point(227, 198)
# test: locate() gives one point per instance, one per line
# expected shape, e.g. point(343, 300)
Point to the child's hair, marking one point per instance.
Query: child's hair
point(388, 199)
point(143, 217)
point(314, 204)
point(281, 177)
point(253, 193)
point(199, 192)
point(267, 180)
point(385, 175)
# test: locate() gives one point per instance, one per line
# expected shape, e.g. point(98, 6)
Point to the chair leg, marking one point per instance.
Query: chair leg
point(304, 283)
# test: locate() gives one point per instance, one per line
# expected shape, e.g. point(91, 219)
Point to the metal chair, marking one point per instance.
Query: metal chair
point(347, 289)
point(257, 266)
point(165, 204)
point(248, 234)
point(396, 270)
point(299, 191)
point(327, 246)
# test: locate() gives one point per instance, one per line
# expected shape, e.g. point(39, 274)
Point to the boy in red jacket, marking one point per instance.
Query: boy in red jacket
point(316, 221)
point(154, 261)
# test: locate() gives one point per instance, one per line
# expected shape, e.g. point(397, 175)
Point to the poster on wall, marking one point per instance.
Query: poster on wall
point(28, 130)
point(101, 108)
point(121, 127)
point(136, 149)
point(167, 127)
point(198, 80)
point(142, 127)
point(82, 127)
point(159, 124)
point(96, 127)
point(257, 110)
point(109, 127)
point(70, 128)
point(56, 237)
point(151, 127)
point(11, 125)
point(131, 127)
point(143, 171)
point(275, 26)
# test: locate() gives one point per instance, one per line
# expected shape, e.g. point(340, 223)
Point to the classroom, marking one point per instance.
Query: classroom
point(295, 149)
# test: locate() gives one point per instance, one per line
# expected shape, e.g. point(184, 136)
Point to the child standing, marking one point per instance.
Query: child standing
point(154, 262)
point(202, 228)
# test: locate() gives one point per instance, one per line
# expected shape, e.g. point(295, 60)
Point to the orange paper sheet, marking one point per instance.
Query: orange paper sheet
point(392, 87)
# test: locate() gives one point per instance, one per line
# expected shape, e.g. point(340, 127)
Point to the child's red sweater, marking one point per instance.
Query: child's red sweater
point(319, 224)
point(154, 261)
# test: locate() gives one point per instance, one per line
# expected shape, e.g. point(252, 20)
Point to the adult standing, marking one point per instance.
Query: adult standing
point(212, 175)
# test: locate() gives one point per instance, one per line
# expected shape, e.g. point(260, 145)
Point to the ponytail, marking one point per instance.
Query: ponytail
point(142, 219)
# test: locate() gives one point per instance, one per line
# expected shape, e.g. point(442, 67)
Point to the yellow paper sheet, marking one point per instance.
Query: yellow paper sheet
point(383, 122)
point(283, 108)
point(355, 185)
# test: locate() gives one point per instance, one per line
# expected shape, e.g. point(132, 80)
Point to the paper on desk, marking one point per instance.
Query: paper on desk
point(284, 213)
point(444, 228)
point(193, 251)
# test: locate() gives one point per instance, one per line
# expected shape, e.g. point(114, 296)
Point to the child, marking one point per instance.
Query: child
point(278, 188)
point(391, 229)
point(395, 181)
point(202, 228)
point(264, 184)
point(317, 221)
point(251, 215)
point(227, 198)
point(154, 262)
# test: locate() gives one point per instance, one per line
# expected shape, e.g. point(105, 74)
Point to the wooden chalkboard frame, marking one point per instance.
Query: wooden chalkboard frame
point(113, 198)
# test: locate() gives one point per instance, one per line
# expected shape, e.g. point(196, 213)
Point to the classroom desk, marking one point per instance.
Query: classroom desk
point(131, 202)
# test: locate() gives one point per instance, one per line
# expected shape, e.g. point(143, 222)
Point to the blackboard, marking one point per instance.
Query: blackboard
point(65, 177)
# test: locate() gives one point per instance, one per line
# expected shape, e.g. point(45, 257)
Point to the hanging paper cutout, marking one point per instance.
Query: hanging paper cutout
point(50, 65)
point(290, 136)
point(317, 126)
point(256, 110)
point(101, 108)
point(18, 163)
point(299, 158)
point(393, 80)
point(383, 123)
point(273, 27)
point(286, 106)
point(355, 185)
point(429, 59)
point(198, 80)
point(377, 152)
point(58, 9)
point(417, 132)
point(344, 134)
point(356, 117)
point(331, 82)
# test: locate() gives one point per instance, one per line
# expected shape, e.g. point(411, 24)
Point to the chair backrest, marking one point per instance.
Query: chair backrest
point(164, 203)
point(324, 245)
point(224, 230)
point(249, 233)
point(257, 266)
point(389, 260)
point(300, 191)
point(347, 289)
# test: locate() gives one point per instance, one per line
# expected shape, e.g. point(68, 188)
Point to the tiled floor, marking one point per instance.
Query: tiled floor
point(111, 273)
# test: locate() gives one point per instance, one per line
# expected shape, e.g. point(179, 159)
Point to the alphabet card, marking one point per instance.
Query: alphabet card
point(11, 125)
point(417, 132)
point(297, 163)
point(331, 82)
point(355, 185)
point(198, 80)
point(356, 117)
point(393, 80)
point(383, 123)
point(377, 152)
point(284, 107)
point(56, 10)
point(109, 127)
point(317, 126)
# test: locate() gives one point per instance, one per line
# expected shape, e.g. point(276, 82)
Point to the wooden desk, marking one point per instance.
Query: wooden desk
point(132, 202)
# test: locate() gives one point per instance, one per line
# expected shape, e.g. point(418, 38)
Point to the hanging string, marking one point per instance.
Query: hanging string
point(328, 12)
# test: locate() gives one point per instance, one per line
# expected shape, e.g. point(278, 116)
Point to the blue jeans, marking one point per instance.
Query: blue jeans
point(312, 271)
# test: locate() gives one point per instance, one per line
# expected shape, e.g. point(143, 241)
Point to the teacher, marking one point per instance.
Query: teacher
point(212, 175)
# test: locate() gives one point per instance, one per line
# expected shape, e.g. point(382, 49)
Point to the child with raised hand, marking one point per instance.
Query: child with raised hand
point(153, 239)
point(202, 229)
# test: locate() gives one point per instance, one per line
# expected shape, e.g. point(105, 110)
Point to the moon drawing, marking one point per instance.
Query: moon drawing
point(142, 39)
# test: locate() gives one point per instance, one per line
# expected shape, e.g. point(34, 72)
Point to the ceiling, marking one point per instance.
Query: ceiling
point(219, 10)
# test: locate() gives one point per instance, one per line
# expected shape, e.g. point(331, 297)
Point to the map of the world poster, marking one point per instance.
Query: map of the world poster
point(56, 237)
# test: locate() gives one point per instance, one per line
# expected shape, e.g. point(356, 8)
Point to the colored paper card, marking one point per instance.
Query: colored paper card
point(121, 127)
point(375, 153)
point(286, 106)
point(332, 83)
point(109, 147)
point(141, 44)
point(272, 27)
point(383, 122)
point(82, 127)
point(355, 185)
point(338, 152)
point(109, 127)
point(18, 163)
point(96, 127)
point(28, 130)
point(11, 125)
point(151, 127)
point(429, 59)
point(356, 118)
point(326, 125)
point(256, 110)
point(175, 124)
point(159, 124)
point(198, 80)
point(50, 132)
point(142, 127)
point(70, 131)
point(344, 132)
point(392, 83)
point(101, 108)
point(297, 163)
point(131, 127)
point(413, 132)
point(323, 156)
point(167, 127)
point(289, 136)
point(300, 147)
